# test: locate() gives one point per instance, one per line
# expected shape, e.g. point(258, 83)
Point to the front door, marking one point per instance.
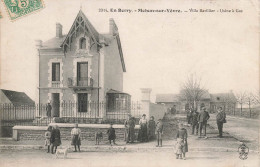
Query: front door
point(82, 74)
point(55, 105)
point(82, 102)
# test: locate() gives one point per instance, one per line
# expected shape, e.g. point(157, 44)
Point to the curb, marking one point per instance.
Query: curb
point(123, 148)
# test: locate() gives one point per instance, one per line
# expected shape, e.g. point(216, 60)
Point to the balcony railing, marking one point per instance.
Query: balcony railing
point(80, 82)
point(55, 84)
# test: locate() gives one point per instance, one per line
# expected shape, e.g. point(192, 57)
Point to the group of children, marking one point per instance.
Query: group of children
point(181, 146)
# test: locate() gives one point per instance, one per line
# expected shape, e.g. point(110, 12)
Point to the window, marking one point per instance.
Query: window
point(82, 43)
point(82, 102)
point(218, 98)
point(55, 71)
point(82, 73)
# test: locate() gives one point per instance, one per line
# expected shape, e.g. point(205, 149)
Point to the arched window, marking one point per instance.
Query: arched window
point(82, 43)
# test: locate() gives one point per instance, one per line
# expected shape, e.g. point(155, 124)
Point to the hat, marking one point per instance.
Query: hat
point(143, 115)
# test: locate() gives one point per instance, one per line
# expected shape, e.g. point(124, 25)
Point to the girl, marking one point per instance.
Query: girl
point(182, 134)
point(48, 138)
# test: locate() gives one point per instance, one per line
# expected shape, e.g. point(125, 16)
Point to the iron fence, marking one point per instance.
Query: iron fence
point(68, 112)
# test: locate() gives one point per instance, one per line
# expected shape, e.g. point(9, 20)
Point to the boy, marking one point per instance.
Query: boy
point(159, 132)
point(111, 134)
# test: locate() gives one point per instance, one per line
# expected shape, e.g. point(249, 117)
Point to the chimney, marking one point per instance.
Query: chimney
point(112, 27)
point(58, 30)
point(38, 43)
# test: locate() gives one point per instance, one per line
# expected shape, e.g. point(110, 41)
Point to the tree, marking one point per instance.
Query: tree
point(256, 97)
point(241, 100)
point(192, 91)
point(229, 102)
point(250, 100)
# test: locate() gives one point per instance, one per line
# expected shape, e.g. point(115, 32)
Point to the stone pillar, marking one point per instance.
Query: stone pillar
point(38, 44)
point(145, 101)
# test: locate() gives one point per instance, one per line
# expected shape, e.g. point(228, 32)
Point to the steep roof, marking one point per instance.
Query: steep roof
point(17, 97)
point(164, 98)
point(222, 97)
point(81, 21)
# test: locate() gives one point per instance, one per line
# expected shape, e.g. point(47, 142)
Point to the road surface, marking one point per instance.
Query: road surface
point(39, 158)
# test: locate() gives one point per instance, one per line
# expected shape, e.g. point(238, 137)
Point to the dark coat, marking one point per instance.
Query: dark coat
point(151, 129)
point(111, 134)
point(182, 133)
point(221, 116)
point(203, 116)
point(195, 116)
point(55, 137)
point(48, 110)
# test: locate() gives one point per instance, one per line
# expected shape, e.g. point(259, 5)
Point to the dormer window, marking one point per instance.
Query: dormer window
point(82, 43)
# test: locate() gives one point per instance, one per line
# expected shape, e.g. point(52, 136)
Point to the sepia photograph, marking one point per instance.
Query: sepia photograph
point(129, 83)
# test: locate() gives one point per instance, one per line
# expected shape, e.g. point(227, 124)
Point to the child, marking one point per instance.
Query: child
point(111, 134)
point(75, 133)
point(183, 135)
point(48, 138)
point(159, 132)
point(178, 148)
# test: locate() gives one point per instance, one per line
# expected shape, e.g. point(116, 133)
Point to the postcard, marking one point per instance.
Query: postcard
point(129, 83)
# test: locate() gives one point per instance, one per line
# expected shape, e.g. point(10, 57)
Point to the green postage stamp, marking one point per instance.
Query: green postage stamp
point(19, 8)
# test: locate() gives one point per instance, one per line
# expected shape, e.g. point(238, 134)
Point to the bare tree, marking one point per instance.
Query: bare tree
point(241, 97)
point(192, 91)
point(229, 102)
point(250, 100)
point(256, 97)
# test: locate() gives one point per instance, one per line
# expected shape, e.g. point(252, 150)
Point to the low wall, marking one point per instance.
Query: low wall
point(157, 110)
point(87, 131)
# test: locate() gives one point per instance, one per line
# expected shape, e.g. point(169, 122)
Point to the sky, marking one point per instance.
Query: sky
point(160, 49)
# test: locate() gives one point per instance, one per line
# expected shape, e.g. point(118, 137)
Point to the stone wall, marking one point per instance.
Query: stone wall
point(87, 132)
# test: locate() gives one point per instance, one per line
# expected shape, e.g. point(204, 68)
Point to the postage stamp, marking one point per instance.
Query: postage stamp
point(19, 8)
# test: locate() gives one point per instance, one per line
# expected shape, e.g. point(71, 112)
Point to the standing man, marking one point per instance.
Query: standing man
point(126, 124)
point(221, 119)
point(48, 110)
point(195, 120)
point(131, 132)
point(189, 116)
point(202, 120)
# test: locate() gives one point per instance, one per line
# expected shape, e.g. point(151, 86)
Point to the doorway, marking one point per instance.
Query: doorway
point(55, 105)
point(82, 102)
